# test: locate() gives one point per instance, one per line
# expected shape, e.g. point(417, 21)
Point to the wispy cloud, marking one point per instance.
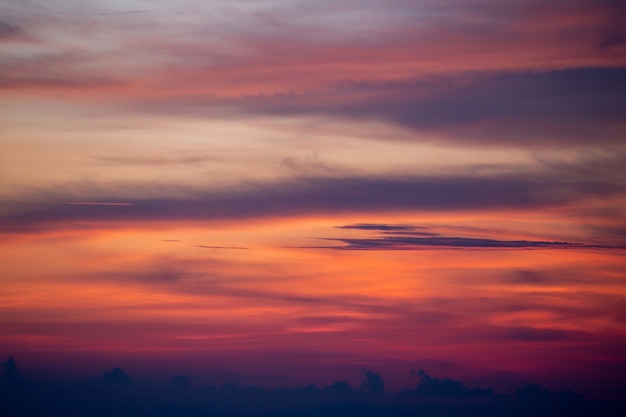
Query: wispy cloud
point(408, 237)
point(381, 227)
point(98, 203)
point(219, 247)
point(306, 196)
point(564, 106)
point(275, 48)
point(408, 243)
point(156, 160)
point(10, 32)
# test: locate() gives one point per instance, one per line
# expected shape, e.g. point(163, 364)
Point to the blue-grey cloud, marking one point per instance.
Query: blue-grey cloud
point(325, 320)
point(382, 227)
point(582, 106)
point(309, 196)
point(9, 31)
point(219, 247)
point(614, 35)
point(408, 243)
point(394, 229)
point(405, 237)
point(532, 334)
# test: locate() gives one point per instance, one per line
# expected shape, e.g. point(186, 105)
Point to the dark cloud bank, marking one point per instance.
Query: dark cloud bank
point(315, 195)
point(577, 106)
point(406, 237)
point(117, 393)
point(404, 243)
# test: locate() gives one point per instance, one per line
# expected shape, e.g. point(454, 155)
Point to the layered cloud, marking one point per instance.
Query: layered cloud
point(406, 243)
point(582, 106)
point(311, 196)
point(406, 237)
point(371, 182)
point(524, 73)
point(242, 48)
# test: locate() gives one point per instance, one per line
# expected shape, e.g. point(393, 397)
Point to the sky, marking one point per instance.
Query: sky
point(288, 191)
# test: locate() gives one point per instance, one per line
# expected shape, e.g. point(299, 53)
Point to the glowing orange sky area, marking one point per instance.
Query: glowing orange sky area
point(294, 191)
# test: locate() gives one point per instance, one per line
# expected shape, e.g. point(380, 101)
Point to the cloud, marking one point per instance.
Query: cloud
point(383, 227)
point(373, 383)
point(435, 387)
point(156, 160)
point(393, 229)
point(411, 243)
point(23, 72)
point(532, 334)
point(613, 39)
point(410, 237)
point(614, 34)
point(530, 277)
point(24, 81)
point(306, 196)
point(239, 51)
point(219, 247)
point(324, 320)
point(609, 165)
point(579, 106)
point(98, 203)
point(10, 32)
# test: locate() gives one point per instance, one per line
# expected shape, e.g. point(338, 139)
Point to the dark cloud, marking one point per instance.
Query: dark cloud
point(393, 229)
point(532, 334)
point(614, 34)
point(153, 277)
point(9, 32)
point(116, 376)
point(211, 278)
point(530, 277)
point(338, 388)
point(408, 243)
point(317, 195)
point(581, 106)
point(149, 394)
point(99, 203)
point(390, 232)
point(323, 320)
point(219, 247)
point(434, 387)
point(373, 383)
point(527, 334)
point(614, 38)
point(383, 227)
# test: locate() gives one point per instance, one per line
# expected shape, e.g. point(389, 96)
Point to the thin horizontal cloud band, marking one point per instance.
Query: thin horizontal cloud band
point(320, 195)
point(408, 243)
point(569, 106)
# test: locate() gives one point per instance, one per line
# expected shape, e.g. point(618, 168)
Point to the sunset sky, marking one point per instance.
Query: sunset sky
point(287, 191)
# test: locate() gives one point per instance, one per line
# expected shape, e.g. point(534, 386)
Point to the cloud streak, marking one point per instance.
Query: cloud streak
point(410, 237)
point(308, 196)
point(381, 227)
point(579, 106)
point(98, 203)
point(219, 247)
point(410, 243)
point(10, 32)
